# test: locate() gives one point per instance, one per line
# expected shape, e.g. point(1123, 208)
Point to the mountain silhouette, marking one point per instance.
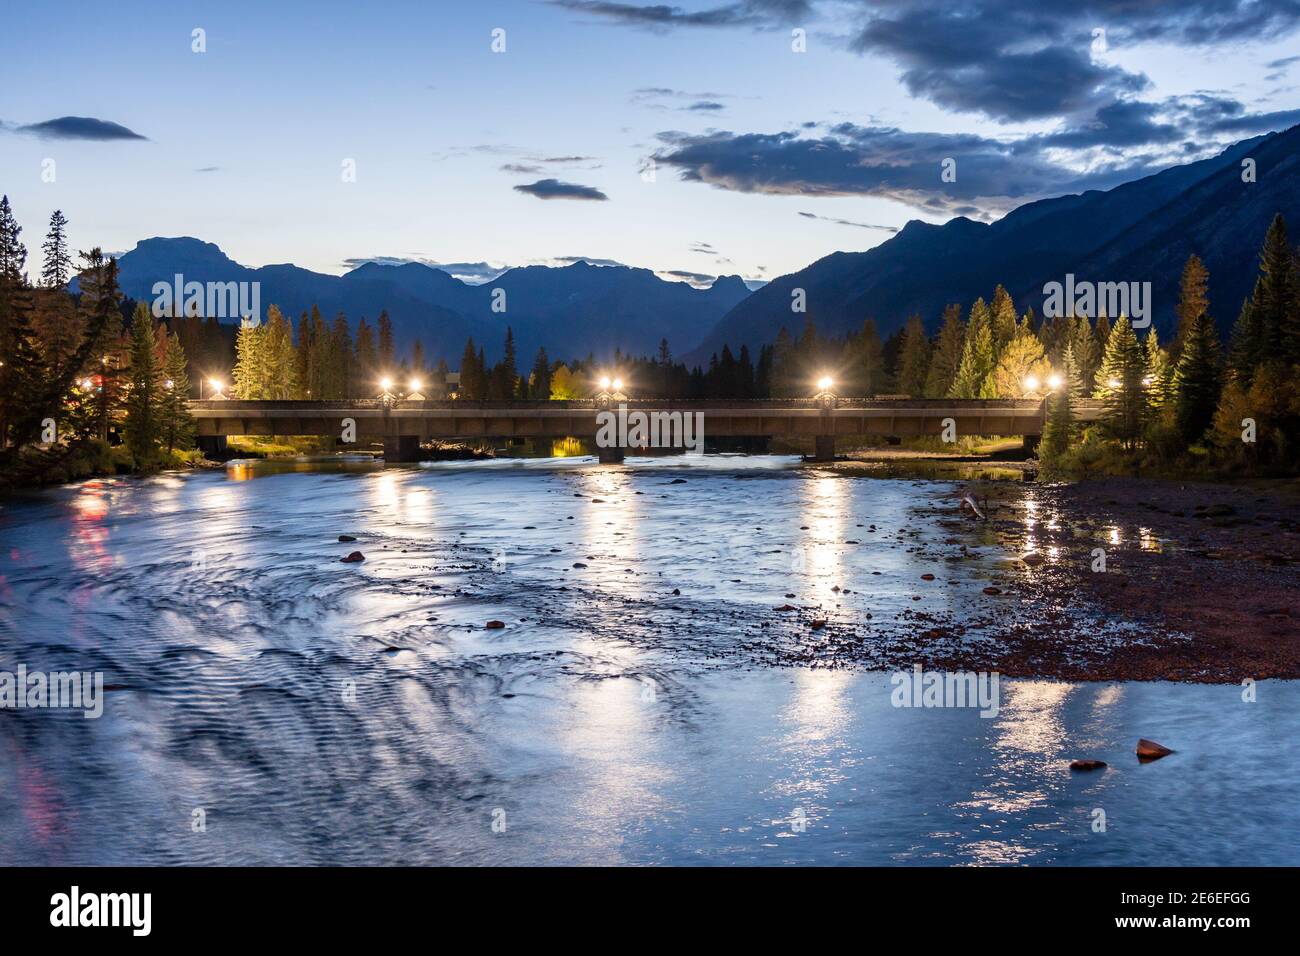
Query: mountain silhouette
point(571, 310)
point(1140, 231)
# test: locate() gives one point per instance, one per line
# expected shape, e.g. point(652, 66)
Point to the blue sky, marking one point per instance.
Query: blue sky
point(765, 158)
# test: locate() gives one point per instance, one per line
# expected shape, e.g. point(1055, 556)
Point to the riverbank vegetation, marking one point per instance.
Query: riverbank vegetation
point(82, 390)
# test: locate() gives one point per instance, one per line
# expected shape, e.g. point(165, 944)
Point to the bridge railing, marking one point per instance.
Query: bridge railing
point(587, 404)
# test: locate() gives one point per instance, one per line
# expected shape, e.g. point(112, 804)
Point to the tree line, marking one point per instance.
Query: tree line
point(102, 369)
point(75, 375)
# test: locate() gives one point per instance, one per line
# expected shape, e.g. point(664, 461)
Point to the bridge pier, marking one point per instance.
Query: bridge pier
point(610, 456)
point(1031, 443)
point(401, 448)
point(824, 448)
point(212, 446)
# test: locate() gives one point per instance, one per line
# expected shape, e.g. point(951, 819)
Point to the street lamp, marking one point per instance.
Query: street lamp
point(825, 392)
point(611, 390)
point(216, 385)
point(1054, 382)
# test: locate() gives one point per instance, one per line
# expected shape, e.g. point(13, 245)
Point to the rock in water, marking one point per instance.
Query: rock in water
point(346, 537)
point(1150, 750)
point(1032, 558)
point(1087, 764)
point(495, 625)
point(353, 558)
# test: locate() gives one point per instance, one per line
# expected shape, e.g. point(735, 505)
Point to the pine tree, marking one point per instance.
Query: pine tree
point(281, 369)
point(1071, 374)
point(1276, 303)
point(1193, 299)
point(58, 261)
point(946, 356)
point(539, 382)
point(1002, 314)
point(1058, 430)
point(365, 358)
point(58, 326)
point(469, 373)
point(1246, 346)
point(870, 360)
point(505, 375)
point(339, 359)
point(972, 380)
point(1196, 380)
point(252, 367)
point(1086, 353)
point(144, 399)
point(1123, 368)
point(914, 358)
point(1159, 373)
point(103, 351)
point(176, 422)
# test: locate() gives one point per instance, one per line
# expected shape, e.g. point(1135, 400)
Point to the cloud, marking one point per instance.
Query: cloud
point(472, 273)
point(80, 127)
point(848, 160)
point(554, 189)
point(848, 222)
point(667, 98)
point(752, 13)
point(700, 280)
point(1010, 60)
point(207, 169)
point(589, 260)
point(520, 168)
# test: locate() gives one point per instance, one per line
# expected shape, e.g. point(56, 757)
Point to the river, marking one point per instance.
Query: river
point(642, 702)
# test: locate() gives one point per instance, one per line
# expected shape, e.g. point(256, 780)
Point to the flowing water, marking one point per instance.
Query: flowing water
point(642, 701)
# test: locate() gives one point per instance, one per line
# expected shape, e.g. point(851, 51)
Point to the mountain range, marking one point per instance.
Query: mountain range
point(571, 310)
point(1141, 231)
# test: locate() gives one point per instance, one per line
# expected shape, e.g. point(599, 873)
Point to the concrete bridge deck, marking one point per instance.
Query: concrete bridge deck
point(402, 424)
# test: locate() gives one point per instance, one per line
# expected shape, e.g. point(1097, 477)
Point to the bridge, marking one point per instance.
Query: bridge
point(402, 425)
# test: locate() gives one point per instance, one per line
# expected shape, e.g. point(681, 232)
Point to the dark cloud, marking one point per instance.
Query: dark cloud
point(697, 279)
point(848, 222)
point(520, 168)
point(705, 105)
point(751, 13)
point(849, 160)
point(1011, 60)
point(207, 169)
point(554, 189)
point(80, 127)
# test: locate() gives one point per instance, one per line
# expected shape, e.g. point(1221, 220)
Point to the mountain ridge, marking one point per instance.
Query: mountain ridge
point(1142, 230)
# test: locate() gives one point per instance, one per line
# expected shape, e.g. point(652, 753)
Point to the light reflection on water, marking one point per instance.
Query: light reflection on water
point(603, 739)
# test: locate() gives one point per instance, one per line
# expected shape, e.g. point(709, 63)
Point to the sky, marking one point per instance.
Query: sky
point(748, 137)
